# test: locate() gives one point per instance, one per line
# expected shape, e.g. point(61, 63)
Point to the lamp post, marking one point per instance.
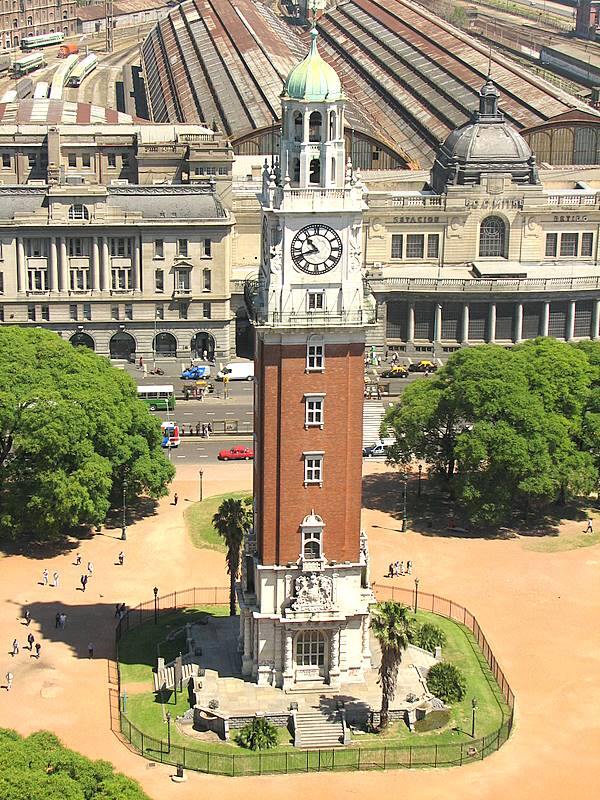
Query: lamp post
point(473, 710)
point(200, 476)
point(404, 506)
point(168, 715)
point(124, 521)
point(155, 590)
point(419, 484)
point(416, 594)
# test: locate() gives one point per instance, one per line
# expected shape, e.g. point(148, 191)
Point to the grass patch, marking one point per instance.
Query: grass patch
point(198, 521)
point(432, 722)
point(138, 648)
point(561, 543)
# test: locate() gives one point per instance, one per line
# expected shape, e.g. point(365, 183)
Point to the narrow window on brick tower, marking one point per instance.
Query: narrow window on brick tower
point(312, 537)
point(315, 355)
point(313, 468)
point(313, 410)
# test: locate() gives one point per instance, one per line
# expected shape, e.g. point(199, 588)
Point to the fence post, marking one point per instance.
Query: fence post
point(208, 762)
point(410, 757)
point(384, 757)
point(175, 600)
point(461, 754)
point(142, 732)
point(358, 764)
point(435, 757)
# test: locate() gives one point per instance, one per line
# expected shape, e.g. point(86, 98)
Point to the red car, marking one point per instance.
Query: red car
point(236, 453)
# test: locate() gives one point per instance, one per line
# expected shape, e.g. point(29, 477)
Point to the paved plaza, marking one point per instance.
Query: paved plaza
point(534, 607)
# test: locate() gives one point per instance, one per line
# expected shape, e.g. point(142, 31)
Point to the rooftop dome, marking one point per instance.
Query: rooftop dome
point(487, 144)
point(313, 78)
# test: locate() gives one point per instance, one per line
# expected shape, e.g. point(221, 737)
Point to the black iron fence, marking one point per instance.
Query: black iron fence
point(390, 756)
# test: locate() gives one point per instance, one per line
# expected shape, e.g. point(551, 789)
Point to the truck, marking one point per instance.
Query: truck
point(237, 371)
point(67, 50)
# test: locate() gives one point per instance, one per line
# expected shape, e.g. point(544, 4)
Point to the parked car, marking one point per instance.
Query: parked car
point(423, 366)
point(237, 371)
point(397, 371)
point(195, 373)
point(236, 453)
point(374, 450)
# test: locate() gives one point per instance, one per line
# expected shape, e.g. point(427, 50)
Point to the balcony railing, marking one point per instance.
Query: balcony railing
point(486, 285)
point(313, 319)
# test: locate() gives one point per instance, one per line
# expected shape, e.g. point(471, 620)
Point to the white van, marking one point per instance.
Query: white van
point(237, 371)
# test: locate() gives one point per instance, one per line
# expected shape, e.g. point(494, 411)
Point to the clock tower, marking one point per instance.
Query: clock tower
point(305, 591)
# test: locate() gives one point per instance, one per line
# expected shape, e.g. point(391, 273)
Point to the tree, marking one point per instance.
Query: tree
point(232, 520)
point(71, 431)
point(394, 630)
point(430, 636)
point(447, 682)
point(258, 734)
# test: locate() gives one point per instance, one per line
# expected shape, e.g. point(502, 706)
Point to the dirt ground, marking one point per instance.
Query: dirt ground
point(539, 612)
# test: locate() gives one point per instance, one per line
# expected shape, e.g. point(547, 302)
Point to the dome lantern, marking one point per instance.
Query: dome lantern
point(313, 79)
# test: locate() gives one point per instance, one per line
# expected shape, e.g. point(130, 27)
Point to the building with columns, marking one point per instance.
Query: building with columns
point(113, 233)
point(305, 592)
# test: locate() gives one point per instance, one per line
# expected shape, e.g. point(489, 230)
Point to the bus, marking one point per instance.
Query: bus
point(61, 76)
point(82, 70)
point(40, 91)
point(28, 63)
point(44, 40)
point(157, 397)
point(170, 434)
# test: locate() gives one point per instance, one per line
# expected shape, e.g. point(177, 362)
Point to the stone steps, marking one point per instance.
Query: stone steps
point(373, 412)
point(318, 730)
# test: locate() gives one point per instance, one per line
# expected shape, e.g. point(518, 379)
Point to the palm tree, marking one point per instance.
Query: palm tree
point(394, 630)
point(232, 520)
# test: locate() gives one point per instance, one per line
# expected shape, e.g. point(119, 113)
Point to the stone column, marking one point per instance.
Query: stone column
point(596, 320)
point(437, 323)
point(545, 318)
point(570, 332)
point(410, 322)
point(95, 265)
point(135, 275)
point(465, 325)
point(518, 323)
point(492, 323)
point(247, 656)
point(288, 663)
point(63, 266)
point(53, 264)
point(334, 658)
point(21, 269)
point(104, 265)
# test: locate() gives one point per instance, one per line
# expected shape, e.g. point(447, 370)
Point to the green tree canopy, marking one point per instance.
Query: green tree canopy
point(71, 430)
point(506, 429)
point(39, 767)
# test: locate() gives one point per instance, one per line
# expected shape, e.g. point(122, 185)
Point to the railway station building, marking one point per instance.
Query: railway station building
point(34, 18)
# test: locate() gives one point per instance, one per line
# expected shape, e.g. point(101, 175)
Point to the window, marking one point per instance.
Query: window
point(87, 312)
point(311, 544)
point(183, 309)
point(159, 311)
point(31, 313)
point(551, 244)
point(223, 171)
point(332, 125)
point(313, 410)
point(114, 312)
point(86, 160)
point(182, 280)
point(45, 309)
point(37, 280)
point(310, 649)
point(182, 248)
point(36, 248)
point(569, 244)
point(129, 311)
point(415, 244)
point(73, 315)
point(120, 279)
point(78, 248)
point(29, 21)
point(79, 211)
point(112, 160)
point(206, 280)
point(159, 280)
point(120, 247)
point(206, 310)
point(315, 356)
point(72, 159)
point(207, 248)
point(313, 468)
point(493, 239)
point(1, 313)
point(433, 245)
point(159, 248)
point(315, 301)
point(397, 241)
point(79, 280)
point(587, 240)
point(32, 160)
point(6, 161)
point(125, 160)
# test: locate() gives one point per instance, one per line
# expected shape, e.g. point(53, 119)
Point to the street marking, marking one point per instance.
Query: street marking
point(250, 412)
point(202, 456)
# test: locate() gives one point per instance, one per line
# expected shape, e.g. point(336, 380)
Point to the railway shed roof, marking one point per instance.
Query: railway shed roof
point(43, 111)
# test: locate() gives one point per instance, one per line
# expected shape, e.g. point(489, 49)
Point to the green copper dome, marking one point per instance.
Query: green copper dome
point(313, 79)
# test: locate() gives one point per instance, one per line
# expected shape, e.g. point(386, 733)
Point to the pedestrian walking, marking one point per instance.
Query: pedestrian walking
point(9, 681)
point(78, 560)
point(31, 640)
point(57, 621)
point(396, 569)
point(38, 648)
point(209, 430)
point(27, 616)
point(175, 499)
point(45, 577)
point(15, 648)
point(90, 568)
point(84, 580)
point(590, 526)
point(91, 650)
point(121, 558)
point(55, 577)
point(402, 568)
point(117, 609)
point(390, 571)
point(62, 621)
point(409, 567)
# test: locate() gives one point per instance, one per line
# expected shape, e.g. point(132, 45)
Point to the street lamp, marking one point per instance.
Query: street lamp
point(124, 522)
point(420, 474)
point(416, 594)
point(155, 590)
point(404, 506)
point(473, 710)
point(200, 475)
point(168, 731)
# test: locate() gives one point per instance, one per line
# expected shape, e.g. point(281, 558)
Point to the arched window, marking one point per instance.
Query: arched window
point(298, 125)
point(315, 171)
point(78, 212)
point(312, 536)
point(332, 125)
point(314, 127)
point(29, 21)
point(493, 238)
point(65, 15)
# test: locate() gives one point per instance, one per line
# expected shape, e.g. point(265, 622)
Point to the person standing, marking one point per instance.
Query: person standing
point(15, 648)
point(121, 558)
point(90, 568)
point(590, 526)
point(27, 616)
point(45, 577)
point(402, 568)
point(78, 560)
point(91, 650)
point(57, 621)
point(62, 621)
point(38, 648)
point(56, 577)
point(9, 681)
point(175, 499)
point(409, 567)
point(84, 580)
point(31, 640)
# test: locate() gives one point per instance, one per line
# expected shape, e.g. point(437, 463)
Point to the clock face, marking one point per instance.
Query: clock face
point(316, 249)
